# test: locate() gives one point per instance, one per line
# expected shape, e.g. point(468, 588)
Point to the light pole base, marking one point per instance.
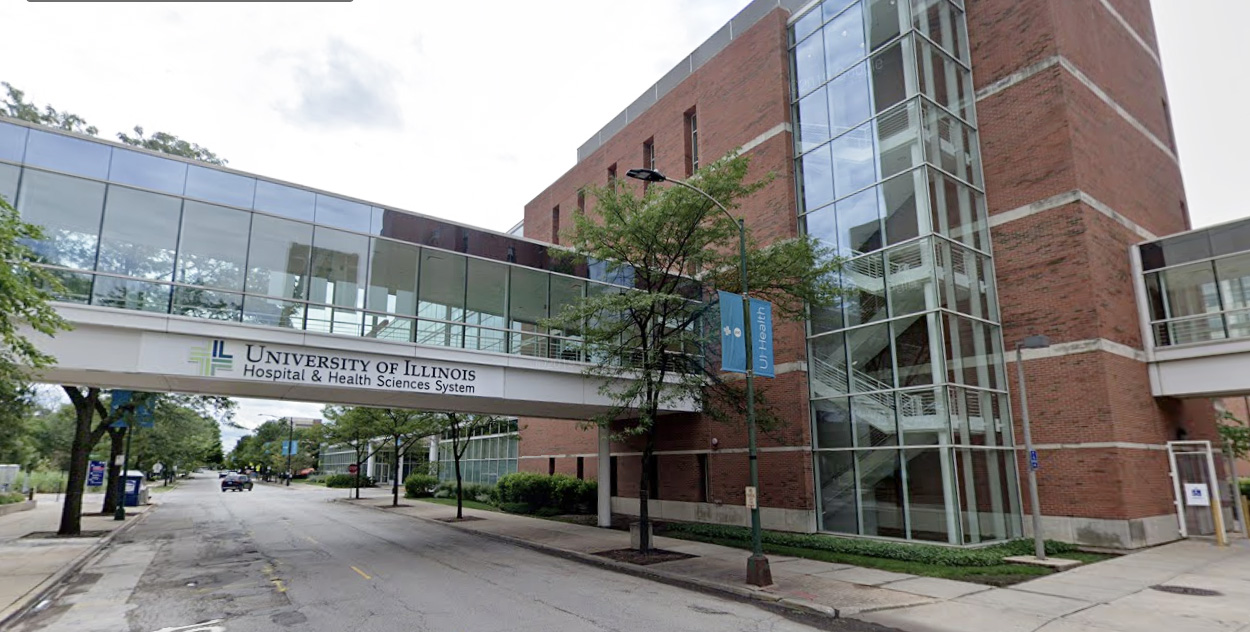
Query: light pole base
point(758, 572)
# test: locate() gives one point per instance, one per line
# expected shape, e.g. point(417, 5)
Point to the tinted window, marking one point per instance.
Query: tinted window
point(140, 234)
point(219, 186)
point(12, 142)
point(149, 172)
point(69, 154)
point(69, 211)
point(286, 201)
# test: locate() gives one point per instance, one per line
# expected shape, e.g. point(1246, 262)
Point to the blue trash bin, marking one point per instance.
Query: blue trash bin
point(134, 482)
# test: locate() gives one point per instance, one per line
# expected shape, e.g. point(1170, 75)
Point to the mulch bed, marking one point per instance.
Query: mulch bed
point(464, 519)
point(390, 506)
point(51, 535)
point(634, 556)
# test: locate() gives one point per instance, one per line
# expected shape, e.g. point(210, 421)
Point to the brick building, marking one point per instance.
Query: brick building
point(911, 135)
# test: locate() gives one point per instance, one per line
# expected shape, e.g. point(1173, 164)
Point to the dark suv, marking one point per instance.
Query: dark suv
point(237, 482)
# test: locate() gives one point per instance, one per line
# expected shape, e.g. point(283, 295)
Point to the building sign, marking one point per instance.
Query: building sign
point(282, 364)
point(1197, 495)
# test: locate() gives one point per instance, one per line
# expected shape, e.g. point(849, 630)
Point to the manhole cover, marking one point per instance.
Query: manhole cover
point(1187, 590)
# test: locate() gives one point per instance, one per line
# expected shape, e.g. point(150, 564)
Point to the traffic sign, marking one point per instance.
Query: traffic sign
point(353, 468)
point(1033, 465)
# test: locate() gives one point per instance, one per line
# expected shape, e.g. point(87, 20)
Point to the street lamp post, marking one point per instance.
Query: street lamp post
point(1031, 342)
point(290, 450)
point(758, 572)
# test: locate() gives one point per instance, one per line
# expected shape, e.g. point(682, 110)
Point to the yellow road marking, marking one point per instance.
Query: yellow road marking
point(362, 573)
point(278, 583)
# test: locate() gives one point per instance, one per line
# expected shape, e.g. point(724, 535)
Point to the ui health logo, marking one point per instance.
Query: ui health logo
point(211, 360)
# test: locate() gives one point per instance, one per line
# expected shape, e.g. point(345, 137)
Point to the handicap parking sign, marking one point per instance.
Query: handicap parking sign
point(1197, 495)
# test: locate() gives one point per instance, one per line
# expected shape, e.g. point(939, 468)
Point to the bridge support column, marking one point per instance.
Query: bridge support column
point(604, 477)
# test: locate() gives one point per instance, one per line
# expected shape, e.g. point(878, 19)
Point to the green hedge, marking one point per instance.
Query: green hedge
point(348, 480)
point(923, 553)
point(1245, 487)
point(420, 485)
point(8, 498)
point(530, 492)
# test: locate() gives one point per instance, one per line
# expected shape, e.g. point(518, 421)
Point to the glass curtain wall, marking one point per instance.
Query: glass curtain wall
point(130, 230)
point(491, 453)
point(1198, 285)
point(912, 433)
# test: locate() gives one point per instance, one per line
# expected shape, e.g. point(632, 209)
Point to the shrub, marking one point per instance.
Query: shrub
point(8, 498)
point(348, 480)
point(472, 491)
point(1245, 487)
point(530, 492)
point(419, 485)
point(923, 553)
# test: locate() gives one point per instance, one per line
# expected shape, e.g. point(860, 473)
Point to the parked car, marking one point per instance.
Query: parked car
point(237, 482)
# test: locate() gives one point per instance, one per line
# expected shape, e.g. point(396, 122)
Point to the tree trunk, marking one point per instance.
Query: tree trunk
point(459, 491)
point(117, 444)
point(79, 453)
point(644, 494)
point(395, 472)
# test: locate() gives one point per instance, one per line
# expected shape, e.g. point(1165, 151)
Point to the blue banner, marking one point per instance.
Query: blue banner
point(732, 352)
point(95, 474)
point(762, 337)
point(290, 448)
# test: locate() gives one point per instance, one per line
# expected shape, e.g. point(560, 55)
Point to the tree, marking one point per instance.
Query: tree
point(16, 106)
point(401, 427)
point(459, 428)
point(677, 247)
point(26, 294)
point(170, 144)
point(356, 427)
point(1234, 433)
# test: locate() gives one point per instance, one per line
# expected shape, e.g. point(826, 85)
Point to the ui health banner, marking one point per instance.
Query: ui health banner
point(289, 448)
point(733, 352)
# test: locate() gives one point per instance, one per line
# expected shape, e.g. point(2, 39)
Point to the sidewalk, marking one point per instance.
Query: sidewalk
point(1111, 596)
point(29, 567)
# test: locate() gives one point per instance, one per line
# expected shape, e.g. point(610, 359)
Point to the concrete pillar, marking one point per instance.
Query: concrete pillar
point(604, 482)
point(434, 455)
point(369, 463)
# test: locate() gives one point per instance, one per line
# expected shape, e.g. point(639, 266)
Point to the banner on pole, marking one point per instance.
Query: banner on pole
point(732, 354)
point(290, 448)
point(762, 334)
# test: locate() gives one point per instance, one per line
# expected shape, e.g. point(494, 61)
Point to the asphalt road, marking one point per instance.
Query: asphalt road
point(289, 559)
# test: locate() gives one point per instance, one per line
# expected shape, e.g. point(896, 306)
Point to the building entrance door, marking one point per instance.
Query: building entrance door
point(1197, 489)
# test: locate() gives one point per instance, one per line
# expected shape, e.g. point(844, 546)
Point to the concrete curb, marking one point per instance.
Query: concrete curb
point(740, 593)
point(37, 594)
point(12, 508)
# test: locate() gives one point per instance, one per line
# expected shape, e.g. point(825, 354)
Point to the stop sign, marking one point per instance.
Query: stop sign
point(353, 468)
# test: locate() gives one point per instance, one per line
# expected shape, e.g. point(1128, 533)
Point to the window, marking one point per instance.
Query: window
point(555, 223)
point(139, 234)
point(278, 257)
point(213, 249)
point(648, 153)
point(551, 465)
point(653, 478)
point(692, 142)
point(581, 201)
point(69, 210)
point(612, 174)
point(612, 477)
point(581, 467)
point(705, 479)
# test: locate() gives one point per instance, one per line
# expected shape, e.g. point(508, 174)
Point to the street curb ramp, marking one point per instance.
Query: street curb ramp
point(43, 589)
point(739, 593)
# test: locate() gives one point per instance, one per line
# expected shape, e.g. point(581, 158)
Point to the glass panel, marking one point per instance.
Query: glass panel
point(839, 511)
point(1238, 324)
point(881, 493)
point(75, 286)
point(333, 211)
point(922, 417)
point(1190, 290)
point(9, 176)
point(128, 294)
point(914, 338)
point(822, 224)
point(334, 320)
point(830, 8)
point(987, 490)
point(273, 312)
point(813, 113)
point(140, 234)
point(283, 200)
point(828, 317)
point(876, 419)
point(909, 278)
point(69, 211)
point(951, 145)
point(807, 24)
point(339, 261)
point(1234, 275)
point(844, 40)
point(212, 251)
point(1179, 332)
point(864, 289)
point(850, 99)
point(219, 186)
point(859, 224)
point(854, 160)
point(817, 178)
point(527, 305)
point(1230, 238)
point(387, 327)
point(828, 366)
point(566, 292)
point(809, 64)
point(891, 76)
point(898, 140)
point(278, 257)
point(885, 20)
point(943, 24)
point(393, 277)
point(972, 352)
point(872, 367)
point(929, 485)
point(944, 80)
point(442, 286)
point(210, 304)
point(68, 154)
point(12, 142)
point(833, 422)
point(958, 211)
point(964, 279)
point(979, 417)
point(147, 171)
point(487, 304)
point(904, 218)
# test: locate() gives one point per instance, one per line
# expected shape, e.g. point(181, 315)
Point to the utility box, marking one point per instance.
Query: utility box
point(136, 491)
point(9, 478)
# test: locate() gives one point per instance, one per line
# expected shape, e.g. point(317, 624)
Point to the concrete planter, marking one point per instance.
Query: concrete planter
point(25, 505)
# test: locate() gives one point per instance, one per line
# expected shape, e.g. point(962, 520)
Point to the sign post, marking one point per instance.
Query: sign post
point(139, 413)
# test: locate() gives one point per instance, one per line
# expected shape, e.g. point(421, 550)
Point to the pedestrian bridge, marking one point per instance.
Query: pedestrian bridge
point(1193, 293)
point(187, 277)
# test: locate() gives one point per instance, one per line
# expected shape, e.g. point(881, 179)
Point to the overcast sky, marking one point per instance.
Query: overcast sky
point(468, 110)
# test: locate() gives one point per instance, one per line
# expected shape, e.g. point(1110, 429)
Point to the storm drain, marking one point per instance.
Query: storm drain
point(1187, 590)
